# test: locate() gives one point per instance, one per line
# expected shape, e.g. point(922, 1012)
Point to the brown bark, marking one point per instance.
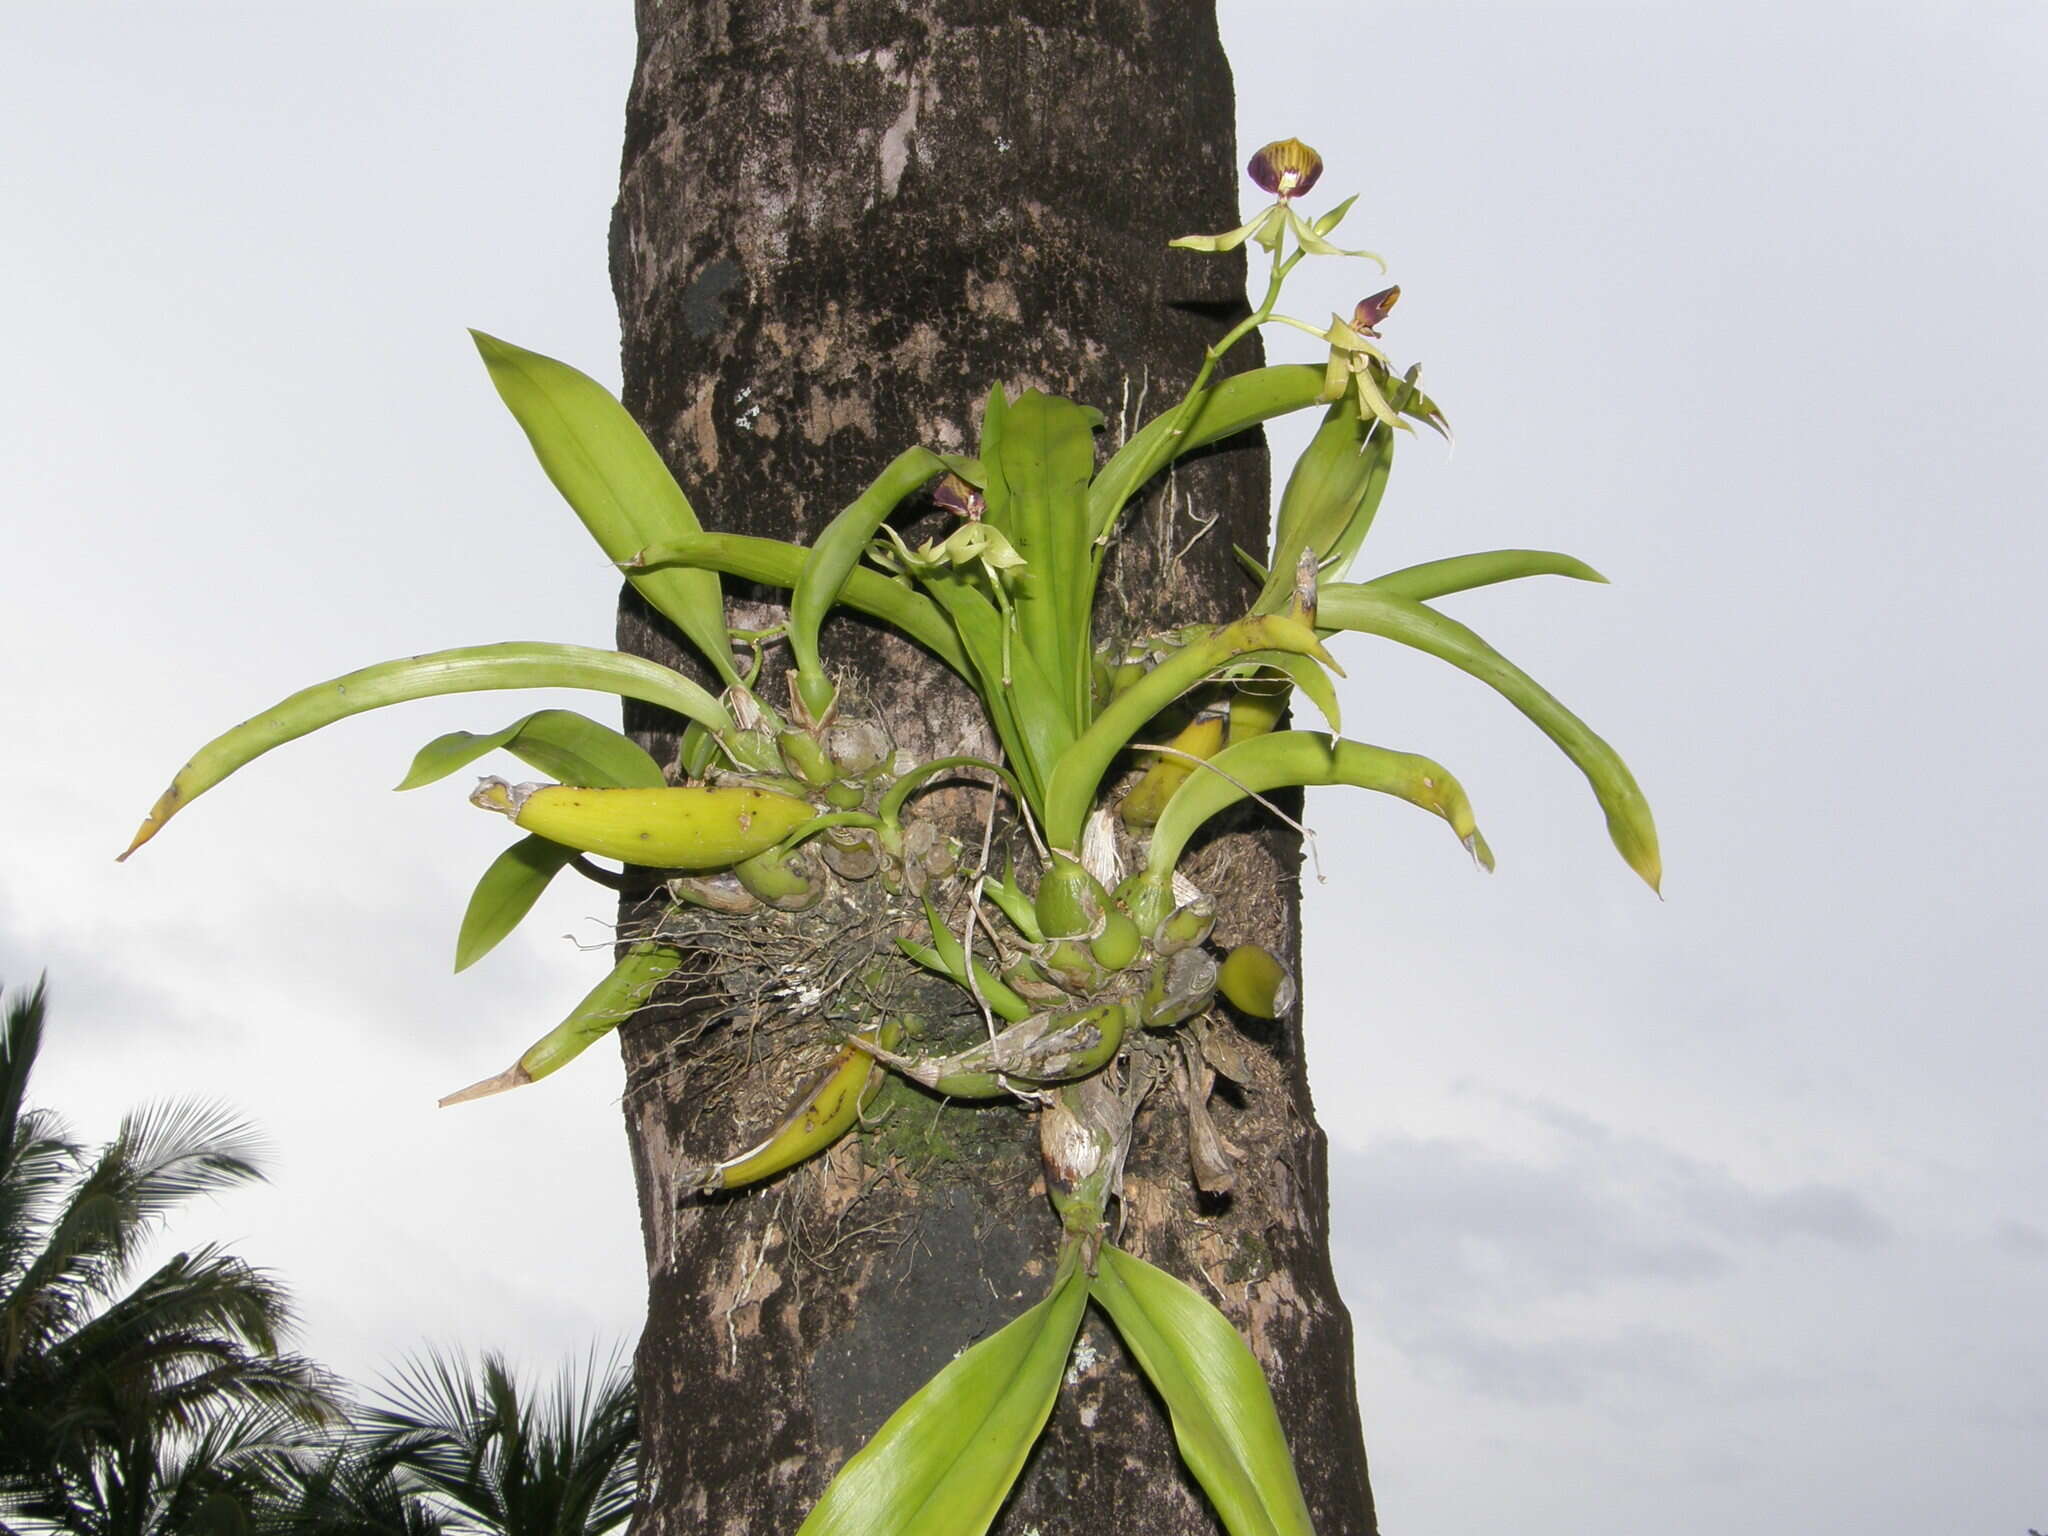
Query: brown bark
point(839, 224)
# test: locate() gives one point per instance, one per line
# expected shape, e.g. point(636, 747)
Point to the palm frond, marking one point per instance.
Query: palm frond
point(161, 1156)
point(201, 1305)
point(508, 1461)
point(40, 1163)
point(162, 1409)
point(290, 1386)
point(180, 1148)
point(21, 1041)
point(343, 1492)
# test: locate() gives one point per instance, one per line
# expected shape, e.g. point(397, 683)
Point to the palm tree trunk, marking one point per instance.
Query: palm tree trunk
point(837, 227)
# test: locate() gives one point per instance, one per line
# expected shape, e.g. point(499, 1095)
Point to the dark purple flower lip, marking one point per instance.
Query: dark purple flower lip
point(1286, 168)
point(956, 495)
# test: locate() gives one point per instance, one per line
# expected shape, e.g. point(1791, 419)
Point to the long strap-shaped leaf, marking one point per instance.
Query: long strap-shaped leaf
point(1222, 1409)
point(1241, 401)
point(1462, 573)
point(1046, 452)
point(1367, 608)
point(945, 1461)
point(1022, 706)
point(607, 471)
point(470, 669)
point(1071, 791)
point(1287, 759)
point(836, 554)
point(774, 563)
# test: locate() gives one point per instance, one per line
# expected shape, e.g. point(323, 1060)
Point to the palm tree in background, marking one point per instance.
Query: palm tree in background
point(500, 1460)
point(167, 1406)
point(148, 1407)
point(348, 1491)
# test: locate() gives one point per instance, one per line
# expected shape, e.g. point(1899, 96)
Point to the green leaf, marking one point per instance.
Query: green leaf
point(1224, 410)
point(604, 1008)
point(602, 463)
point(1046, 451)
point(506, 894)
point(774, 563)
point(1311, 679)
point(1071, 791)
point(697, 751)
point(890, 807)
point(834, 557)
point(1223, 1416)
point(1331, 498)
point(569, 748)
point(1290, 759)
point(1462, 573)
point(632, 981)
point(995, 492)
point(471, 669)
point(1371, 610)
point(1033, 729)
point(945, 1460)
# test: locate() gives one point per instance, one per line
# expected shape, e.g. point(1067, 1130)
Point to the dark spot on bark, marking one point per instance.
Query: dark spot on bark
point(704, 299)
point(946, 1288)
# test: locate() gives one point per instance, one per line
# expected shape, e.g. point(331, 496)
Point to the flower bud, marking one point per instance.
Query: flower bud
point(1371, 311)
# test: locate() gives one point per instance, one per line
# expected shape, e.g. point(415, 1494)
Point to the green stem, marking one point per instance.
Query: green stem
point(1170, 443)
point(1002, 1001)
point(900, 792)
point(818, 824)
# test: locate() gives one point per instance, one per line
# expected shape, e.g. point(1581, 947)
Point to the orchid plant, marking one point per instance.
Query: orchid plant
point(1096, 987)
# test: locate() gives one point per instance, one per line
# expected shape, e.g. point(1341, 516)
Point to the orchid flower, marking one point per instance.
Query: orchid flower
point(1286, 168)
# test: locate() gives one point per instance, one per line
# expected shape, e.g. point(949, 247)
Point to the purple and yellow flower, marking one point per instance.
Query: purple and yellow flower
point(1286, 168)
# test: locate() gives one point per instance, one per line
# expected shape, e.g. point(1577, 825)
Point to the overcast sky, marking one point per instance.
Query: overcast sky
point(1725, 1212)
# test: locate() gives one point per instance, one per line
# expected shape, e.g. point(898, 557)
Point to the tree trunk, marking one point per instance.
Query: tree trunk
point(839, 224)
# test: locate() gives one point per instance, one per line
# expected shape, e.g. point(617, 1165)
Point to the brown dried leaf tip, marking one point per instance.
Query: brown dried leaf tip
point(1372, 310)
point(1286, 168)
